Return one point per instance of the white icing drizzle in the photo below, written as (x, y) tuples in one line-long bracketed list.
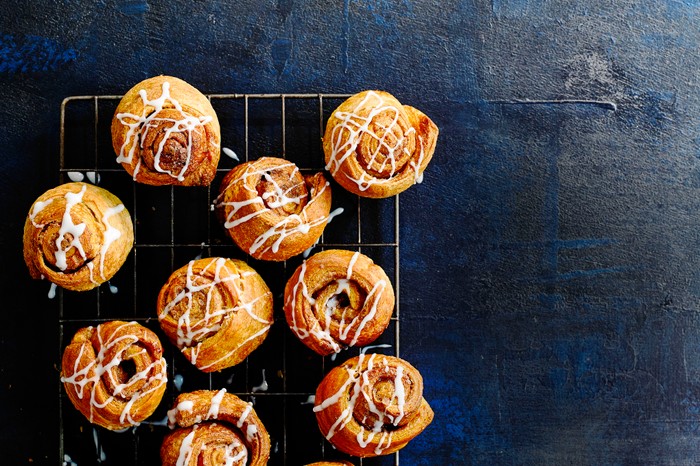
[(418, 174), (310, 400), (356, 385), (111, 234), (250, 428), (263, 385), (38, 207), (75, 176), (94, 177), (113, 289), (229, 456), (352, 126), (230, 153), (186, 332), (101, 457), (52, 291), (67, 226), (143, 122), (79, 379), (230, 460), (177, 381), (367, 348), (244, 415), (186, 448), (216, 404), (68, 461), (322, 331), (185, 405), (291, 224), (250, 432)]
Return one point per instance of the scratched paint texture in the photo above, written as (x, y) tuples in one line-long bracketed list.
[(550, 285)]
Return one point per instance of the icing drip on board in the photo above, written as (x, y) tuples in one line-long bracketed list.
[(139, 125)]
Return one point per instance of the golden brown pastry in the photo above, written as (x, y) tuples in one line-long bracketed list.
[(216, 311), (77, 236), (376, 147), (212, 428), (165, 132), (271, 210), (372, 405), (331, 463), (336, 299), (114, 374)]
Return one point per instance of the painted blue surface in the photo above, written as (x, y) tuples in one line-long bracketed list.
[(550, 285)]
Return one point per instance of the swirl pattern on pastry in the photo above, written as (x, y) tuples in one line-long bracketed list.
[(212, 428), (336, 299), (77, 236), (165, 132), (376, 147), (216, 311), (272, 211), (372, 405), (114, 374)]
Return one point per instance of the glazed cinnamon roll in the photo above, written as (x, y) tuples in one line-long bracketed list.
[(336, 299), (77, 236), (165, 132), (213, 428), (216, 311), (376, 147), (271, 210), (114, 374), (372, 405)]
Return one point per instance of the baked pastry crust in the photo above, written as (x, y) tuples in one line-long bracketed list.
[(376, 147), (216, 311), (336, 299), (214, 428), (271, 210), (372, 405), (165, 132), (330, 463), (77, 236), (114, 374)]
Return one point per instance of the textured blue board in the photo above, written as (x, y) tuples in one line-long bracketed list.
[(550, 286)]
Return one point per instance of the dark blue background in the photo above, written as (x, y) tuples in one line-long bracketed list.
[(550, 287)]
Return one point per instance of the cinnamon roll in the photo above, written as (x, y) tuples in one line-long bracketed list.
[(77, 236), (372, 405), (165, 132), (211, 428), (272, 211), (216, 311), (114, 374), (336, 299), (376, 147)]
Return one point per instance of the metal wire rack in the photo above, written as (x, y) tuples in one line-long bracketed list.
[(173, 225)]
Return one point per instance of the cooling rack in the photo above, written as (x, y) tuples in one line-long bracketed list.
[(173, 225)]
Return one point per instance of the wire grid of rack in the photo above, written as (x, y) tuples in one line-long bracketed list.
[(173, 225)]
